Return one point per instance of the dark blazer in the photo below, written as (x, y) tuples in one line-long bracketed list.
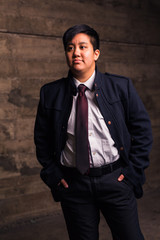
[(124, 115)]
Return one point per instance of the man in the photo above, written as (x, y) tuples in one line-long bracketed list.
[(93, 138)]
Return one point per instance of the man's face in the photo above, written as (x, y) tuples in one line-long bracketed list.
[(80, 55)]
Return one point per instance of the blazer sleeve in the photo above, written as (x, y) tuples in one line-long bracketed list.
[(139, 127), (51, 173)]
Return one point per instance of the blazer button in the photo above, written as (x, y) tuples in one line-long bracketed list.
[(109, 122), (96, 94), (121, 148)]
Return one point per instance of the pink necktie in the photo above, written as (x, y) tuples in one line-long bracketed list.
[(82, 147)]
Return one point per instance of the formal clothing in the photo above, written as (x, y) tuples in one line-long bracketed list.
[(81, 131), (119, 134), (87, 195), (123, 113), (102, 148)]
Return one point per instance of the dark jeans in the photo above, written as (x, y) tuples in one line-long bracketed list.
[(87, 196)]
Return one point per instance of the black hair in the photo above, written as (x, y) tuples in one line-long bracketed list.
[(81, 28)]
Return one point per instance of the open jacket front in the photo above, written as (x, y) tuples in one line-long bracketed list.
[(124, 115)]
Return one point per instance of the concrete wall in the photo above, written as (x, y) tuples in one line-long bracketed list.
[(31, 54)]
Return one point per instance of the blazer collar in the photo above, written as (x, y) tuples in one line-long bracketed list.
[(97, 81), (72, 84)]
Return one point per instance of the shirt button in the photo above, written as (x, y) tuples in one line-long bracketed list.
[(109, 122), (94, 153)]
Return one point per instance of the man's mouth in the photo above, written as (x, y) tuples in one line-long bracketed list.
[(76, 61)]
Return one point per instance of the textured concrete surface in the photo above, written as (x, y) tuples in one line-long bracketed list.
[(31, 54), (52, 226)]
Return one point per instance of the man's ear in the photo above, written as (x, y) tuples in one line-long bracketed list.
[(96, 54)]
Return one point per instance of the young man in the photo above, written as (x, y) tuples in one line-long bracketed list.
[(93, 138)]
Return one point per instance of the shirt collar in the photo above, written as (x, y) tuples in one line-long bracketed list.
[(89, 83)]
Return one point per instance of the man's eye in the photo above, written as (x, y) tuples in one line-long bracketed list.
[(82, 47), (70, 48)]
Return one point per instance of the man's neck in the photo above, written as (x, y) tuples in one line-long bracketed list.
[(83, 77), (89, 83)]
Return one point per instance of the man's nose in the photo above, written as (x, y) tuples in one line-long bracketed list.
[(76, 51)]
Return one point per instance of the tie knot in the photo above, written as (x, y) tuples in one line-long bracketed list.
[(82, 88)]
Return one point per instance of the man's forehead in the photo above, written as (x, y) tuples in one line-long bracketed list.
[(81, 42), (80, 37)]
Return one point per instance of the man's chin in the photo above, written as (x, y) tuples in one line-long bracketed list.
[(77, 70)]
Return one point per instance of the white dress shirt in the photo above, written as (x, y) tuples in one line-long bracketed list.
[(102, 149)]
